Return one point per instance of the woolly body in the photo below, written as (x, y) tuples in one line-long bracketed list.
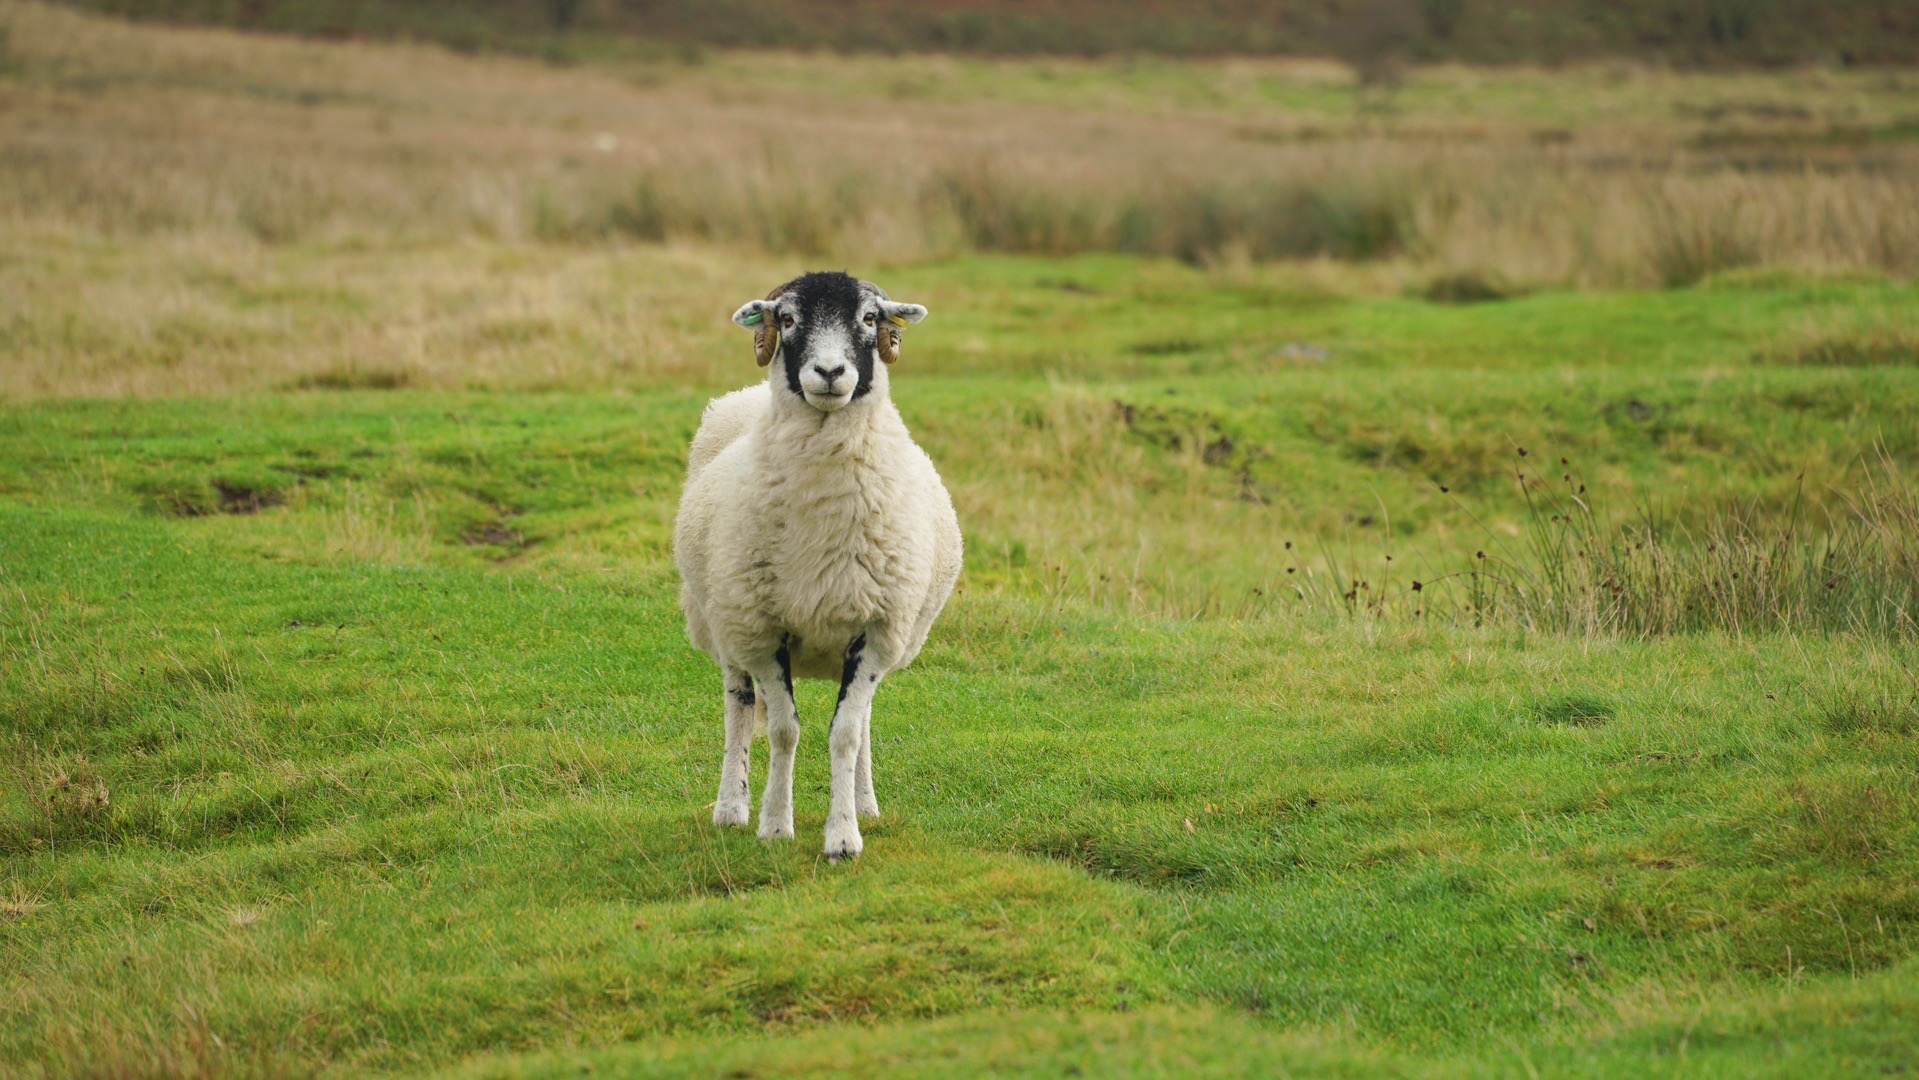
[(810, 529)]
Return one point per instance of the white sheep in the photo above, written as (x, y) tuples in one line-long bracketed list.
[(814, 541)]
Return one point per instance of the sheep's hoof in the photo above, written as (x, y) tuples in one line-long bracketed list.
[(730, 816), (869, 808), (843, 846), (769, 831)]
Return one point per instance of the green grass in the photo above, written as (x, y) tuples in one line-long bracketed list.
[(1061, 396), (385, 818), (356, 730)]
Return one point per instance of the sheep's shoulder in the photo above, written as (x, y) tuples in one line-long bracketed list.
[(725, 420)]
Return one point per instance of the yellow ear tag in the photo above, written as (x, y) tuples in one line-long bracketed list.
[(896, 320)]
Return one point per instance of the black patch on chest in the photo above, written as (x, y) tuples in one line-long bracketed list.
[(827, 298)]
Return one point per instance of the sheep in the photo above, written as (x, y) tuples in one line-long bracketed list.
[(814, 540)]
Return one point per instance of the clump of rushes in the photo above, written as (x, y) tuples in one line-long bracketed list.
[(1741, 571), (1849, 341), (72, 791)]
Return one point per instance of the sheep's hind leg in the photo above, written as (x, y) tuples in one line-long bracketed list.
[(775, 678), (859, 680), (735, 804)]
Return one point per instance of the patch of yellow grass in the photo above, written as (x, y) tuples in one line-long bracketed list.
[(203, 312), (17, 903), (369, 529)]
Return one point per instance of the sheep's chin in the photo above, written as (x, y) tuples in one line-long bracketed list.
[(829, 402)]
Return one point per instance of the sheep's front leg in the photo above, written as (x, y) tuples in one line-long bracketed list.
[(735, 803), (783, 736), (859, 680), (863, 798)]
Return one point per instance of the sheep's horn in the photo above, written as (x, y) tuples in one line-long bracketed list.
[(766, 336), (889, 338)]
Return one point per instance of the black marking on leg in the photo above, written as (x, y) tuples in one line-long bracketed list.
[(785, 659), (744, 695), (852, 667), (872, 678)]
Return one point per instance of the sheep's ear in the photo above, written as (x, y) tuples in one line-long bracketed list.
[(901, 314), (754, 313), (895, 317), (761, 317)]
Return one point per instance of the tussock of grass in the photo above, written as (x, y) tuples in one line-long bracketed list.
[(1855, 345), (1573, 710), (69, 792), (1738, 571), (1865, 716), (352, 378), (1468, 287)]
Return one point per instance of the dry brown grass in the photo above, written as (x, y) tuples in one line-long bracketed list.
[(205, 312), (1600, 176)]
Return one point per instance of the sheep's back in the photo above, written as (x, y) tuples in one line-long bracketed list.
[(725, 420)]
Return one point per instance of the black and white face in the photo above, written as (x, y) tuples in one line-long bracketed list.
[(829, 351)]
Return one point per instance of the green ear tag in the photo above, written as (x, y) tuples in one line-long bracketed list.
[(754, 318)]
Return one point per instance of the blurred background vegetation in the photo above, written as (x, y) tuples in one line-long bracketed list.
[(1601, 173), (1693, 32)]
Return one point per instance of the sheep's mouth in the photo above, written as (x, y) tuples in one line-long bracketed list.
[(828, 402)]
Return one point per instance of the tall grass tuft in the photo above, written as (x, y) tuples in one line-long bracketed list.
[(1849, 568), (1691, 239), (1847, 341), (1197, 220)]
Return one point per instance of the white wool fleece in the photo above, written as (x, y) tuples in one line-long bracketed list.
[(813, 526)]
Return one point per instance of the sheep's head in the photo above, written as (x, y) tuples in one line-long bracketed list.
[(826, 329)]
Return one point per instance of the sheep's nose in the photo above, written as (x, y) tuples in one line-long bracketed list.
[(830, 374)]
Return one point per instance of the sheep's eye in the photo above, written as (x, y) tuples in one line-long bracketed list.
[(868, 320), (786, 322)]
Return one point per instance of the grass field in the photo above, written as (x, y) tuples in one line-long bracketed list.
[(1419, 661)]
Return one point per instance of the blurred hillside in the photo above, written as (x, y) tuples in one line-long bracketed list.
[(1711, 33)]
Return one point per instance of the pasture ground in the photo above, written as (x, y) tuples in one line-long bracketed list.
[(347, 722)]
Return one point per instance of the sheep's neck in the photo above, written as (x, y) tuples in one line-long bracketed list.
[(803, 439), (827, 481)]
